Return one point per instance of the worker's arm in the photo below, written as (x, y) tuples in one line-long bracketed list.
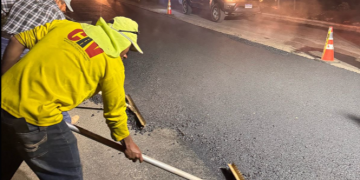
[(12, 54), (113, 93)]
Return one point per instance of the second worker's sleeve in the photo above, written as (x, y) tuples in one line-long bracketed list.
[(30, 37)]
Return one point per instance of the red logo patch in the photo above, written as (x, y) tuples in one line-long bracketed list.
[(82, 40)]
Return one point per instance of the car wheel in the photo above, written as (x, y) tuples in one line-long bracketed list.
[(217, 15), (186, 7)]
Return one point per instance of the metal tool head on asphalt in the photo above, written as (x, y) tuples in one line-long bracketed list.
[(131, 105), (235, 171)]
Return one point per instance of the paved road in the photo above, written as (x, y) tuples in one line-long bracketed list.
[(274, 114), (277, 116)]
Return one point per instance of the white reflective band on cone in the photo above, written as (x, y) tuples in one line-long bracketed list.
[(330, 46)]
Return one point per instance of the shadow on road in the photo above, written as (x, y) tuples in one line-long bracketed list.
[(356, 119), (227, 174), (89, 108), (239, 17), (202, 13)]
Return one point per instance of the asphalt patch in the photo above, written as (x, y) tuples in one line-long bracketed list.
[(97, 99)]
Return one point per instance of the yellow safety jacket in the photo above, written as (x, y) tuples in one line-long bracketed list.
[(63, 68)]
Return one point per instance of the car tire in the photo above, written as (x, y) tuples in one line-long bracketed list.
[(186, 7), (217, 15)]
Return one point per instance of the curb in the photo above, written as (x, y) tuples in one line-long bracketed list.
[(313, 22)]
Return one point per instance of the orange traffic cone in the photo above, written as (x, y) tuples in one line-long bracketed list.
[(169, 7), (328, 53)]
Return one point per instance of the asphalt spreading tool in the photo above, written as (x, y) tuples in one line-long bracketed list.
[(131, 105), (120, 147), (235, 171)]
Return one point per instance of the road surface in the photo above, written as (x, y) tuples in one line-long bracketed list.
[(211, 99)]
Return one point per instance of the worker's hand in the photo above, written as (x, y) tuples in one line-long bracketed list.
[(132, 151)]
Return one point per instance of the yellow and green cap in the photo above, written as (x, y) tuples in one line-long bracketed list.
[(127, 28), (114, 37)]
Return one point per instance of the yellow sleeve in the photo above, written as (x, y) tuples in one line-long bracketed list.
[(30, 37), (113, 94)]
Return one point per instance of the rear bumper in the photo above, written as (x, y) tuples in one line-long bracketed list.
[(239, 9)]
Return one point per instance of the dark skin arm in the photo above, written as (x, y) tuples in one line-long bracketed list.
[(132, 151), (11, 55)]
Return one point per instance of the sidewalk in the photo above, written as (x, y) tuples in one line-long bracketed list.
[(306, 41)]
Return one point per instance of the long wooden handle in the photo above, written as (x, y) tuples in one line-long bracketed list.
[(119, 147), (96, 137)]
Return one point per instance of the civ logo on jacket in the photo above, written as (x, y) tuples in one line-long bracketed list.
[(79, 36)]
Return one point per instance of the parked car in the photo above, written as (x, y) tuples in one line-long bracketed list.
[(220, 8)]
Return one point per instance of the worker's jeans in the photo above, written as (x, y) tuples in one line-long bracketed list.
[(51, 152)]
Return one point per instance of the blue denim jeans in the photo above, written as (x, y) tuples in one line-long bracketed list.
[(51, 152), (66, 117), (4, 43)]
